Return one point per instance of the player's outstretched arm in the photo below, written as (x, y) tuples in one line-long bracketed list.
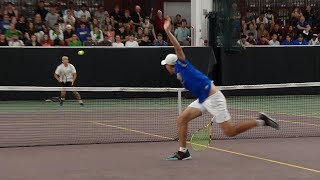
[(174, 40)]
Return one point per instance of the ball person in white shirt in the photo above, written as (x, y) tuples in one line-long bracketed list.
[(66, 75)]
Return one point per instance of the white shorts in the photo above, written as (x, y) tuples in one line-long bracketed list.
[(216, 105)]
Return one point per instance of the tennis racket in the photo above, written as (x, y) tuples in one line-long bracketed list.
[(200, 140)]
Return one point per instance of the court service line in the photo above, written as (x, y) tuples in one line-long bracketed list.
[(213, 148)]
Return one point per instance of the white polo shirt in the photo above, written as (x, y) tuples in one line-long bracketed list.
[(65, 73)]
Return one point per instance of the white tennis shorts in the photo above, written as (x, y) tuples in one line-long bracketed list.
[(216, 105)]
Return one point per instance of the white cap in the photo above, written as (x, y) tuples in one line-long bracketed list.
[(171, 59), (68, 26)]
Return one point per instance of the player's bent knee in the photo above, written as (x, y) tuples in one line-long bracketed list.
[(228, 129)]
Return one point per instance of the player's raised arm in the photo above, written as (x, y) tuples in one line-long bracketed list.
[(174, 41)]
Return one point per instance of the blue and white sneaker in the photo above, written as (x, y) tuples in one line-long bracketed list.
[(179, 156)]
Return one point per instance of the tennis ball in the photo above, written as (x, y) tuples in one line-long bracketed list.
[(80, 53)]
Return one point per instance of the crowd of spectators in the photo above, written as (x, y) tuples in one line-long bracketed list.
[(303, 28), (79, 27)]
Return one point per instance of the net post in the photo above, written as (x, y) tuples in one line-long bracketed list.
[(179, 101)]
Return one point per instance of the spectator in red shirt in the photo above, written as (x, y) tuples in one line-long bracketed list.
[(158, 24), (46, 41), (263, 41)]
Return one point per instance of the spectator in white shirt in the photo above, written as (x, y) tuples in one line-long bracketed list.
[(132, 42), (314, 40), (56, 35), (262, 20), (118, 42), (83, 12), (68, 18), (15, 41), (274, 41), (97, 35), (243, 41)]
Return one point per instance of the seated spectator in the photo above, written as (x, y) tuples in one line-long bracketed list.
[(46, 41), (252, 30), (97, 35), (10, 10), (246, 20), (251, 40), (318, 43), (12, 31), (67, 34), (159, 41), (33, 41), (263, 32), (105, 42), (269, 15), (15, 41), (276, 30), (101, 15), (288, 40), (118, 42), (21, 24), (274, 40), (300, 40), (62, 25), (243, 41), (71, 9), (5, 24), (116, 14), (303, 26), (137, 15), (122, 33), (262, 20), (40, 28), (126, 19), (183, 34), (151, 30), (295, 16), (314, 40), (109, 33), (132, 42), (75, 41), (52, 17), (82, 32), (263, 41), (69, 18), (146, 41), (3, 40), (139, 35), (56, 35), (292, 33), (41, 10), (89, 41), (95, 23), (84, 12), (82, 20), (30, 31), (178, 21)]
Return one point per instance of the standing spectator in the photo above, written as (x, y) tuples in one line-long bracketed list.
[(116, 14), (12, 31), (122, 33), (15, 41), (262, 20), (252, 30), (109, 33), (269, 15), (67, 34), (263, 32), (97, 35), (288, 40), (146, 41), (105, 42), (71, 9), (40, 28), (52, 17), (251, 40), (314, 40), (83, 32), (75, 41), (292, 32), (158, 23), (132, 42), (276, 30), (178, 21), (56, 35), (46, 41), (303, 26), (274, 40), (118, 42), (247, 20), (84, 12), (101, 14), (183, 34), (159, 41), (30, 31), (69, 18), (139, 35), (151, 30), (300, 40), (5, 24), (10, 11), (243, 41), (3, 40), (263, 41), (295, 16), (21, 24), (41, 10), (309, 15), (89, 41), (236, 17), (137, 16), (33, 41)]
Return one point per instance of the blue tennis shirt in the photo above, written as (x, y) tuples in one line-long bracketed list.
[(193, 80)]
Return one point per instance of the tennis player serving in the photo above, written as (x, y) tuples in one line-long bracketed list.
[(66, 75), (209, 99)]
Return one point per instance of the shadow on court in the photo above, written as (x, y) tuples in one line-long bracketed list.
[(264, 159)]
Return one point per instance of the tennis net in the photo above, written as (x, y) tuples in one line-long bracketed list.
[(32, 116)]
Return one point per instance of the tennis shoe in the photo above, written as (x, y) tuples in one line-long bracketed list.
[(81, 104), (179, 156), (269, 121)]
